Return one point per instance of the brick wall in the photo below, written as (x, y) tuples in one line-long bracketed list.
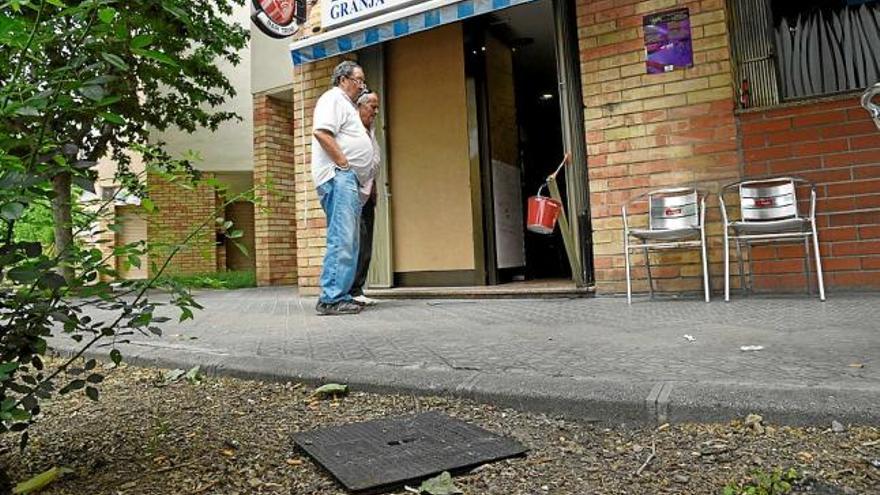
[(836, 146), (180, 211), (651, 131), (274, 216)]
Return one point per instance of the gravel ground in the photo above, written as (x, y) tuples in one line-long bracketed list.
[(229, 436)]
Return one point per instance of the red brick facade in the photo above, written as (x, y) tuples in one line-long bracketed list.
[(837, 147)]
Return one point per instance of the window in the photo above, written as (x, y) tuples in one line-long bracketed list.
[(787, 50)]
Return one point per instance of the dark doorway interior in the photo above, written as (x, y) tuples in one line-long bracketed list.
[(530, 33)]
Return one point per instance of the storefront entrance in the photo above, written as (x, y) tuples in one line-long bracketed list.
[(475, 115)]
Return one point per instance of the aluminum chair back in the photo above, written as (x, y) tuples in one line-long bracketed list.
[(765, 201), (869, 105), (677, 209)]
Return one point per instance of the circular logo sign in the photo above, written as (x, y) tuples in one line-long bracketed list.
[(278, 18)]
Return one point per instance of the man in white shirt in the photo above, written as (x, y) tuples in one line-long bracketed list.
[(368, 108), (342, 159)]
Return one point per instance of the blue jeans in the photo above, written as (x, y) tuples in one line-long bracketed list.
[(342, 205)]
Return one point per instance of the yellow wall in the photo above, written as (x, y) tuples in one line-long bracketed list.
[(432, 225)]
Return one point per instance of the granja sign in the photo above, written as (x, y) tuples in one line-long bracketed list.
[(336, 12)]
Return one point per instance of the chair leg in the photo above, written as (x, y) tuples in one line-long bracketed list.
[(628, 276), (650, 279), (750, 278), (726, 266), (742, 272), (819, 276), (705, 263), (807, 265)]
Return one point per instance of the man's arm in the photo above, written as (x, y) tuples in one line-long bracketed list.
[(328, 143)]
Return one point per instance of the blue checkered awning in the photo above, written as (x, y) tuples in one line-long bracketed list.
[(322, 46)]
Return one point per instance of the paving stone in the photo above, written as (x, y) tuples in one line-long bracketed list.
[(807, 344)]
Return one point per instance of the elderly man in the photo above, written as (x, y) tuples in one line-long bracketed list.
[(342, 159), (368, 108)]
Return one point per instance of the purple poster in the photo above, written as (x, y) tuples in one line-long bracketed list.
[(668, 41)]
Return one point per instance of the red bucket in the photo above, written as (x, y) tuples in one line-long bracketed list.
[(543, 213)]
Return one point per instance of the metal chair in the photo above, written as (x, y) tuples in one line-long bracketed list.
[(676, 219), (869, 105), (768, 210)]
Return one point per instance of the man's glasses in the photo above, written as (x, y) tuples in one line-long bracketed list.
[(360, 81)]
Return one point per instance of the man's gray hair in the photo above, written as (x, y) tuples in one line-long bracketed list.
[(344, 69), (364, 96)]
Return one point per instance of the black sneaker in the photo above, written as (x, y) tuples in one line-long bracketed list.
[(340, 308)]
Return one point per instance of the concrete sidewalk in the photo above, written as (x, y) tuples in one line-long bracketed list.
[(590, 358)]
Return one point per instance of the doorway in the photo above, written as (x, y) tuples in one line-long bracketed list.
[(512, 60), (468, 137)]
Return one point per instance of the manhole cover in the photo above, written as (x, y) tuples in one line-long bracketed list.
[(392, 451)]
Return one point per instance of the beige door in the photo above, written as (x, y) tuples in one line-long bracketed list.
[(133, 228), (431, 209)]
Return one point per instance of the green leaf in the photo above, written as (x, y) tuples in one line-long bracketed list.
[(109, 101), (93, 92), (330, 389), (12, 211), (27, 112), (40, 481), (194, 376), (141, 320), (176, 11), (23, 274), (141, 41), (74, 385), (57, 3), (92, 393), (134, 260), (170, 377), (6, 368), (112, 118), (235, 234), (52, 281), (19, 415), (157, 56), (90, 365), (148, 205), (241, 247), (116, 357), (440, 485), (115, 60), (107, 14), (95, 378), (186, 314)]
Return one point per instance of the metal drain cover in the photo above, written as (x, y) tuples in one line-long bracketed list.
[(388, 452)]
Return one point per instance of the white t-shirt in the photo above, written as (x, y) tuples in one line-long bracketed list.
[(336, 114)]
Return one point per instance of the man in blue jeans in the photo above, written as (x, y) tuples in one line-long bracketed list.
[(342, 156)]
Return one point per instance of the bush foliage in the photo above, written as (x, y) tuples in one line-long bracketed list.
[(81, 80)]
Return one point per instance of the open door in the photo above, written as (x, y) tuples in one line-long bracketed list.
[(381, 274)]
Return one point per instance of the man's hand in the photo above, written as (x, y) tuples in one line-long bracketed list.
[(328, 142)]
